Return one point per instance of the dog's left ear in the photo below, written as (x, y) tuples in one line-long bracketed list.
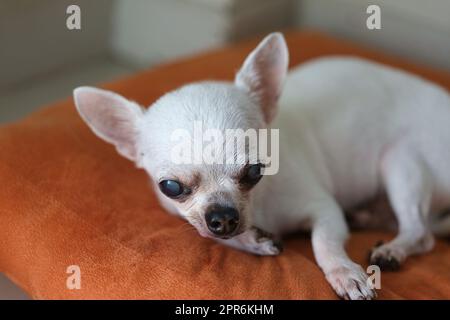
[(263, 73)]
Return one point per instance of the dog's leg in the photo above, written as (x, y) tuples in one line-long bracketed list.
[(329, 233), (255, 241), (409, 187)]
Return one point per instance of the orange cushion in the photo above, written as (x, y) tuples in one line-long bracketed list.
[(67, 198)]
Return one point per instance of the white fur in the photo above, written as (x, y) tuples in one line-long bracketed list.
[(350, 130)]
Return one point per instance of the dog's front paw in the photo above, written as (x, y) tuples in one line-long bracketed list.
[(263, 243), (387, 257), (267, 247), (350, 283)]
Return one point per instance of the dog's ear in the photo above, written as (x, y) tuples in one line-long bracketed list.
[(112, 117), (263, 73)]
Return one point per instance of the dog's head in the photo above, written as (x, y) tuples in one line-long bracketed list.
[(214, 197)]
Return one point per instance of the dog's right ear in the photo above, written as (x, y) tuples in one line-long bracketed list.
[(111, 117)]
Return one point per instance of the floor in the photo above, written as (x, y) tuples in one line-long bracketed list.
[(20, 100)]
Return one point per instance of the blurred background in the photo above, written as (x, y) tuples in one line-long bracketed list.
[(41, 60)]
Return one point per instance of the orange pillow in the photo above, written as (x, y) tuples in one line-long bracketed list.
[(67, 198)]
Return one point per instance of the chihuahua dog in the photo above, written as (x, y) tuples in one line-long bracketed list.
[(350, 130)]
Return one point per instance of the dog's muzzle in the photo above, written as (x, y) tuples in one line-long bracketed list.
[(222, 221)]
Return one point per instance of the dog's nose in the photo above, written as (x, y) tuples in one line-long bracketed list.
[(222, 221)]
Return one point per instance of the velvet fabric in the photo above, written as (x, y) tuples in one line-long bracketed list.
[(67, 198)]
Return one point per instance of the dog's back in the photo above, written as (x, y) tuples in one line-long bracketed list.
[(357, 110)]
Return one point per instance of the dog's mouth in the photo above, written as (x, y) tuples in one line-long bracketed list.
[(226, 237), (206, 233)]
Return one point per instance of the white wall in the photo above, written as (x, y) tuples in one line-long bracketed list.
[(416, 29), (34, 37), (149, 31)]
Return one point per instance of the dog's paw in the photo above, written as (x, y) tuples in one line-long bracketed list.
[(263, 243), (388, 257), (268, 247), (351, 283)]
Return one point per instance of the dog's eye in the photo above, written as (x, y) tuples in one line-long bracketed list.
[(171, 188), (253, 174)]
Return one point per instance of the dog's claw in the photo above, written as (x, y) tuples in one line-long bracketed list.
[(266, 244), (383, 257), (386, 263), (350, 283), (279, 245)]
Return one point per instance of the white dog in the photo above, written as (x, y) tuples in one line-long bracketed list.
[(350, 130)]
